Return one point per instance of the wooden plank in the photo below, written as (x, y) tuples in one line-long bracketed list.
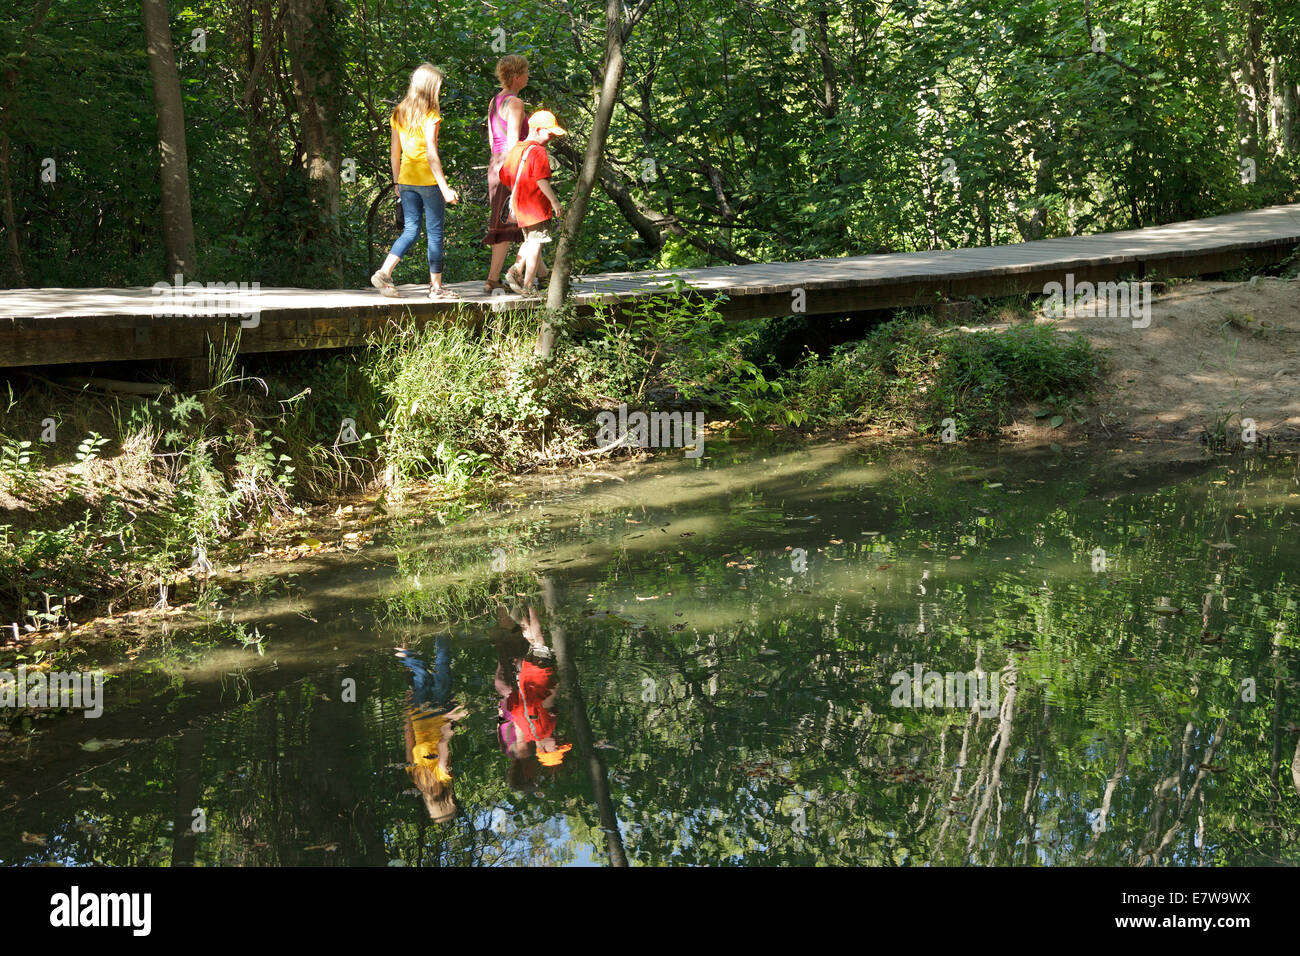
[(52, 326)]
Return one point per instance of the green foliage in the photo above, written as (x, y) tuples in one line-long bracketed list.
[(764, 147), (906, 373)]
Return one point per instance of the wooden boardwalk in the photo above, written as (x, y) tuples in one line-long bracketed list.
[(57, 326)]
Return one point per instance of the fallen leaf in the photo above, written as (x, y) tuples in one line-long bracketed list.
[(94, 745)]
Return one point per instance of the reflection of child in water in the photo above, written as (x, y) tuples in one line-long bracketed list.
[(526, 681), (431, 717)]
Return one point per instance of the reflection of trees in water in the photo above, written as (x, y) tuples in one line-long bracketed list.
[(1126, 740)]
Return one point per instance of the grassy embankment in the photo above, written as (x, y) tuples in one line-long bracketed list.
[(138, 495)]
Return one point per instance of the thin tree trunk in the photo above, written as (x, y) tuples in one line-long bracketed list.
[(189, 793), (1290, 107), (6, 180), (177, 219), (1295, 768), (313, 55), (10, 217), (577, 709), (563, 268)]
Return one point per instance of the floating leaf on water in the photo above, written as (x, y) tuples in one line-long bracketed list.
[(93, 745)]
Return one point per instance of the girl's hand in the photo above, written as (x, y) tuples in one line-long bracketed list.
[(397, 190), (450, 195)]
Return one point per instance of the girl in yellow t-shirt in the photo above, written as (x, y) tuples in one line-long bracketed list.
[(421, 186), (431, 717)]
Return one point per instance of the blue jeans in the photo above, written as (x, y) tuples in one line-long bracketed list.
[(420, 201), (431, 687)]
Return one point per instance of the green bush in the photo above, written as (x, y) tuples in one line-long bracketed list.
[(906, 373)]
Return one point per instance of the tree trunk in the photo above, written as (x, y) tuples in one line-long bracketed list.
[(188, 782), (313, 54), (587, 752), (1295, 768), (563, 268), (1290, 109), (10, 217), (177, 219)]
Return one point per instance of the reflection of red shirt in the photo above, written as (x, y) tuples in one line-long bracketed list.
[(531, 207), (535, 723)]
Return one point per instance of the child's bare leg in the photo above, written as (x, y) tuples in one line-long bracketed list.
[(532, 254)]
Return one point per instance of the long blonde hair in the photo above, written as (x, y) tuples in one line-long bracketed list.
[(421, 97)]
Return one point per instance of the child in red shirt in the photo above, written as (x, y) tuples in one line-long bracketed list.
[(527, 171), (527, 683)]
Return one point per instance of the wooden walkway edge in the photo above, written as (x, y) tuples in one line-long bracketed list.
[(58, 326)]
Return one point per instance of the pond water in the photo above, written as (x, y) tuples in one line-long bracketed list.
[(735, 663)]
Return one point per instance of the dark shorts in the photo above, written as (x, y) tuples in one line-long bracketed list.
[(501, 225)]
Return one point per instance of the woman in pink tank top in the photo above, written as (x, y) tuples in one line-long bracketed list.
[(507, 124)]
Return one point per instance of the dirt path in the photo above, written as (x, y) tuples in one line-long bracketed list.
[(1214, 352)]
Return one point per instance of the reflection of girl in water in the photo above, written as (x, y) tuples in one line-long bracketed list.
[(526, 682), (431, 717)]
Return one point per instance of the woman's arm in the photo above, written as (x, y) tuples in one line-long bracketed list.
[(435, 164), (514, 120), (395, 158)]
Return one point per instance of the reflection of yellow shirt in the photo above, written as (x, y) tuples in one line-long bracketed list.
[(415, 169), (427, 729)]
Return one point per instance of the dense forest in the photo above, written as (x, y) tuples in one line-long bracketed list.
[(248, 139)]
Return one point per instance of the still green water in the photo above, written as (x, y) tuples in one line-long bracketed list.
[(730, 638)]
